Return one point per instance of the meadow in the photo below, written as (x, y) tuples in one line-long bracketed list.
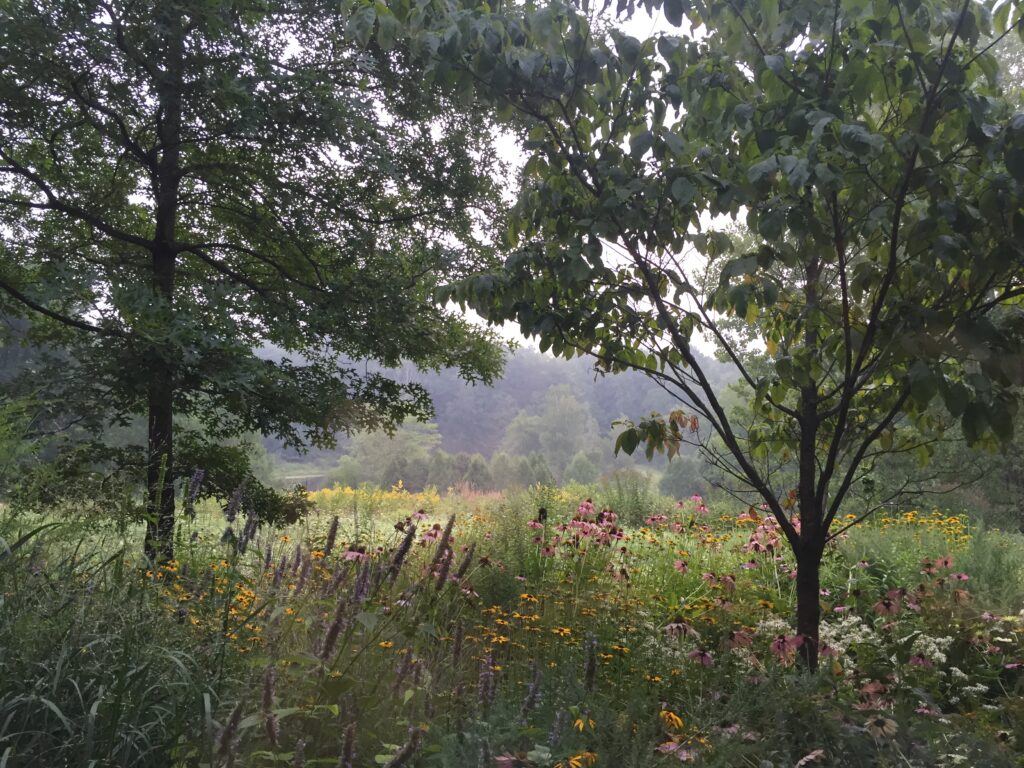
[(556, 628)]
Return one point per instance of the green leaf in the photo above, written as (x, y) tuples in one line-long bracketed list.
[(640, 144), (776, 63), (368, 619), (627, 442), (683, 190), (674, 10)]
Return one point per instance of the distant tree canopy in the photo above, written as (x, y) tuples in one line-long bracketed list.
[(183, 183)]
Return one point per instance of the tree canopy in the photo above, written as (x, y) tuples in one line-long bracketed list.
[(184, 183), (868, 148)]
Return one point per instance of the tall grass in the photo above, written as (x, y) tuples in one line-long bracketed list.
[(94, 669)]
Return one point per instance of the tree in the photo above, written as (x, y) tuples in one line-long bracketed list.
[(685, 476), (183, 184), (873, 156), (478, 476), (581, 470)]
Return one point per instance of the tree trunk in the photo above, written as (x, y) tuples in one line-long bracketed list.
[(808, 604), (159, 544)]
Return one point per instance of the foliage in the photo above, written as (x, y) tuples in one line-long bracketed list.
[(95, 668), (569, 641), (878, 165), (227, 200)]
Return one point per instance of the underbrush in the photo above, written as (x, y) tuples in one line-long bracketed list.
[(484, 632)]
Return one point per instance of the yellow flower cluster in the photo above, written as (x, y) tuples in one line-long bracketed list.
[(953, 528), (341, 498)]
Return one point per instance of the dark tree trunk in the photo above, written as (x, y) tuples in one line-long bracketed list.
[(811, 543), (160, 465), (808, 604), (159, 545)]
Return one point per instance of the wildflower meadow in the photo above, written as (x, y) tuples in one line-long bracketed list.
[(540, 628)]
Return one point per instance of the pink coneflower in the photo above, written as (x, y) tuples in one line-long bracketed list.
[(826, 651), (702, 656), (355, 554), (946, 561), (750, 565), (783, 647), (959, 577), (681, 566), (678, 628), (419, 514), (886, 607), (677, 750), (920, 661), (863, 564), (535, 525), (881, 727), (738, 638)]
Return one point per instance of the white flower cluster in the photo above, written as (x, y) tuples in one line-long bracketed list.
[(846, 631), (958, 674), (932, 648), (773, 625)]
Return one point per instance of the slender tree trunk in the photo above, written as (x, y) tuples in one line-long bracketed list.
[(811, 544), (808, 604), (160, 465), (159, 545)]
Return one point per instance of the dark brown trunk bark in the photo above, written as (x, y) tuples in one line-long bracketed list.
[(159, 544), (160, 465), (808, 552), (808, 605)]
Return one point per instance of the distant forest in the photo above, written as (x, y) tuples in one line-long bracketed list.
[(546, 420)]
